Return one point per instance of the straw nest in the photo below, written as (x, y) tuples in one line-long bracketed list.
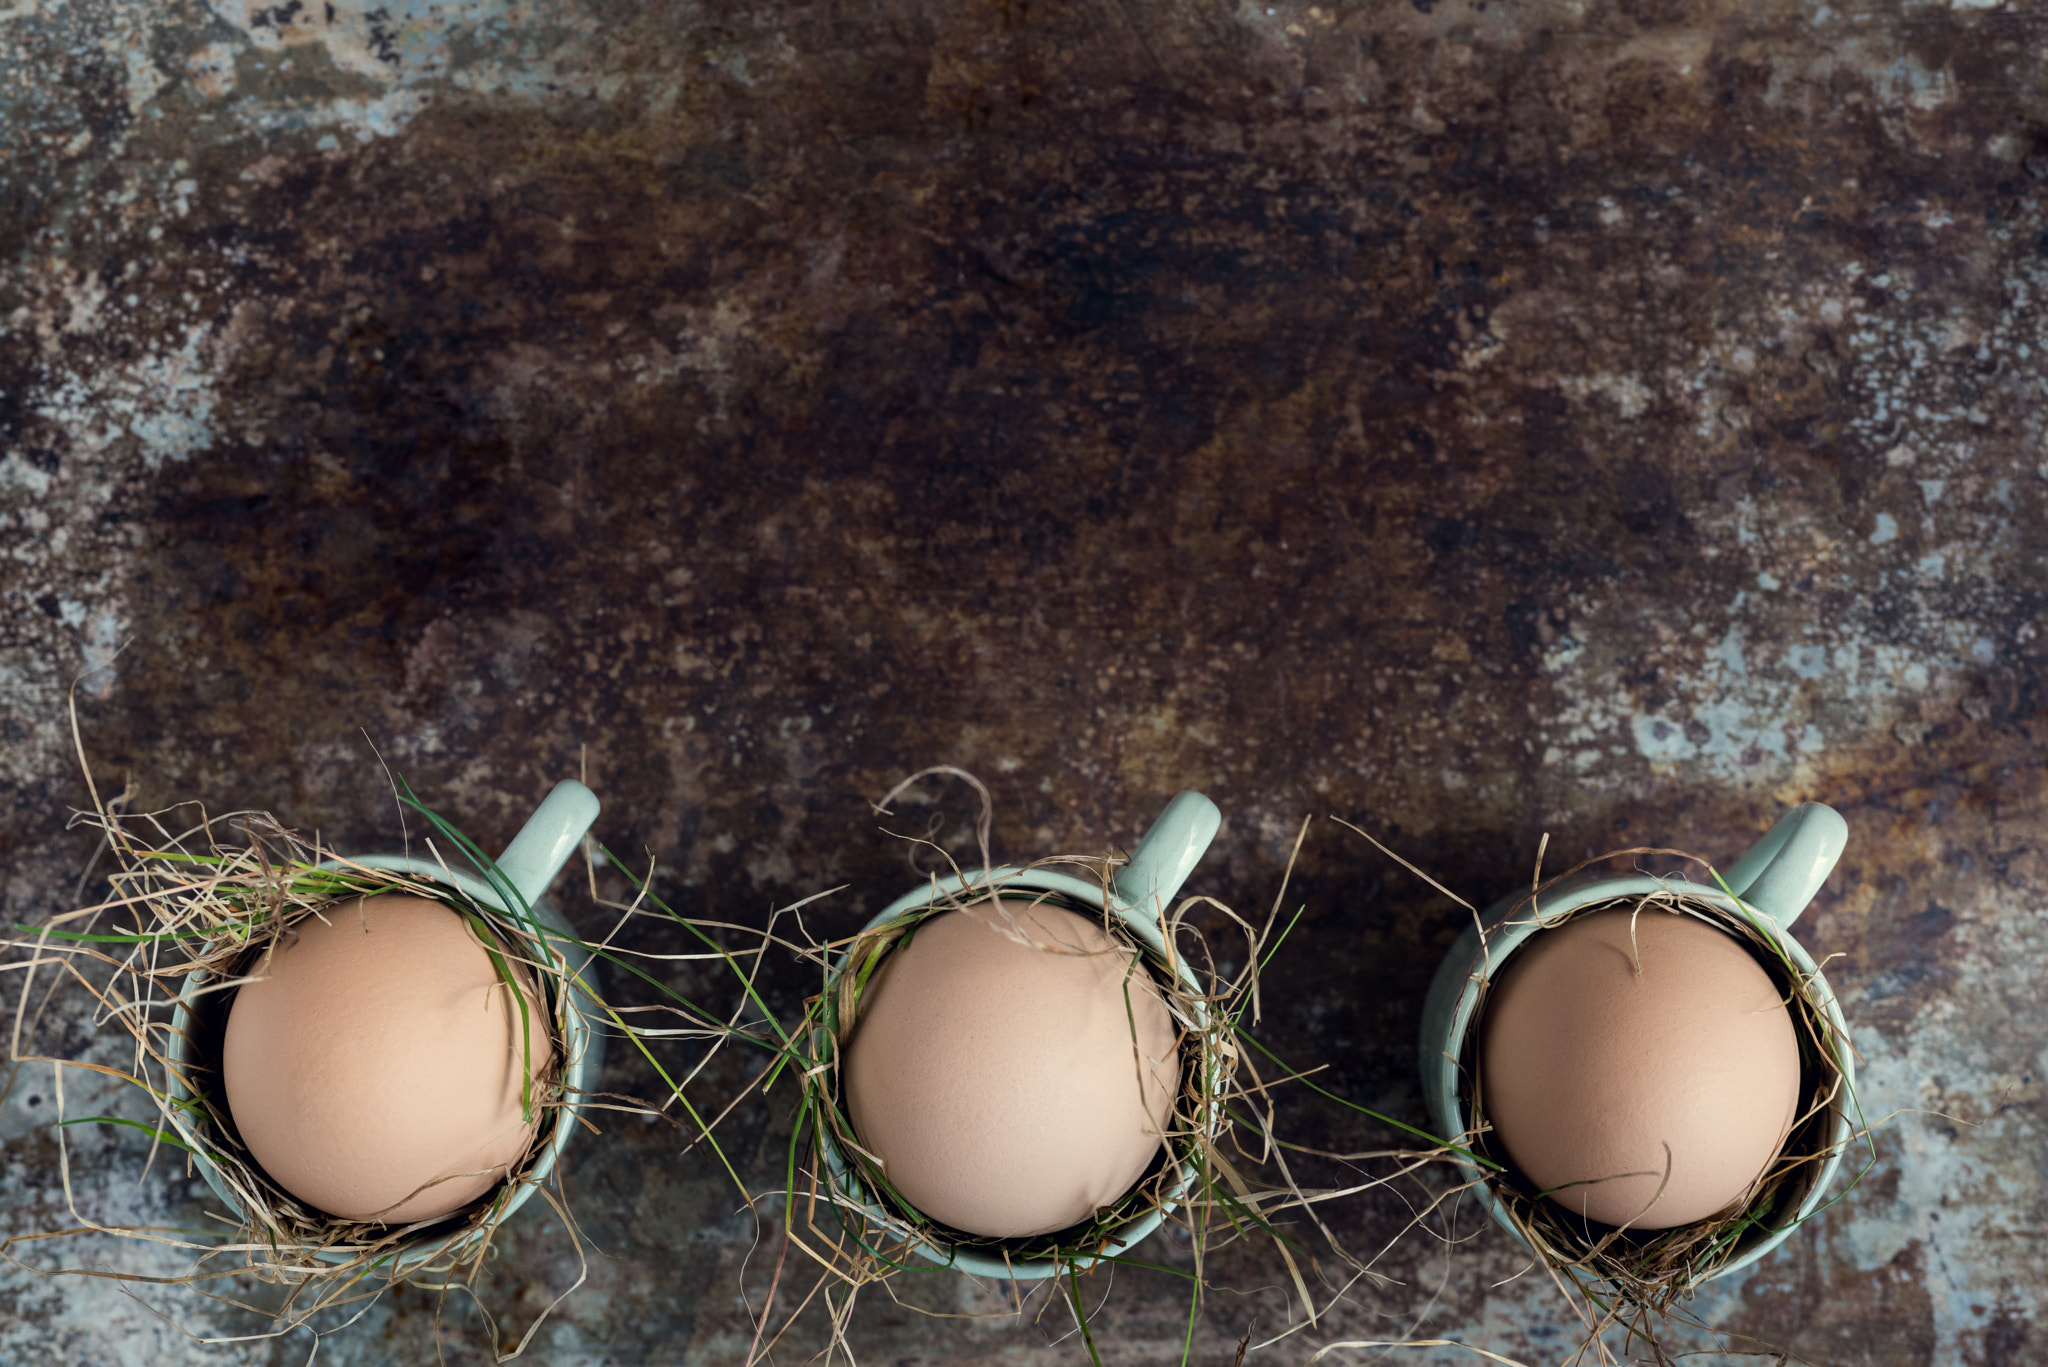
[(193, 900), (1628, 1278), (1209, 1059), (1224, 1172)]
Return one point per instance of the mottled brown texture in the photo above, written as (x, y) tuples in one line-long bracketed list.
[(1615, 420)]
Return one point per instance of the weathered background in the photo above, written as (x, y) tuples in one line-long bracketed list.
[(1616, 419)]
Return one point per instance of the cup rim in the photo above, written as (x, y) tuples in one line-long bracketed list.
[(581, 1045), (1501, 947), (993, 882)]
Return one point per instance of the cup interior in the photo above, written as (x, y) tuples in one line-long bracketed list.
[(200, 1022), (1818, 1137), (986, 1257)]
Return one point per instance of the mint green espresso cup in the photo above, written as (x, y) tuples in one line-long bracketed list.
[(1139, 896), (1777, 877), (529, 864)]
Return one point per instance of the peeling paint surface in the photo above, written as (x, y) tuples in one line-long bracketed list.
[(1615, 419)]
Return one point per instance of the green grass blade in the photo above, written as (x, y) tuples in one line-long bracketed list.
[(1081, 1315), (512, 984), (164, 1136), (694, 929), (1367, 1110)]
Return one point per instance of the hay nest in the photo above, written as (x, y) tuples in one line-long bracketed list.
[(1222, 1175), (1209, 1058), (193, 901), (1630, 1278)]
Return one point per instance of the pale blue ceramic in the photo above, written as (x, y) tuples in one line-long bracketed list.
[(529, 865), (1140, 894), (1777, 877)]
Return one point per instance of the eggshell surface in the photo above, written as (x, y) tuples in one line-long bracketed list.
[(374, 1065), (1000, 1075), (1615, 1034)]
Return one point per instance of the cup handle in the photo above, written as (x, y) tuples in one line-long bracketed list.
[(1781, 872), (547, 839), (1166, 856)]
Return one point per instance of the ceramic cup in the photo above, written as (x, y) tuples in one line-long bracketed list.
[(1777, 877), (1139, 896), (529, 864)]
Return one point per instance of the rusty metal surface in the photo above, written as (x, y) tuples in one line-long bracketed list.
[(1615, 420)]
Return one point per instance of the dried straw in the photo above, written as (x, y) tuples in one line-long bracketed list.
[(1635, 1279), (1224, 1173), (193, 901)]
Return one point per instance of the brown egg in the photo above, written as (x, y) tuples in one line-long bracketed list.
[(374, 1067), (1612, 1036), (1000, 1079)]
